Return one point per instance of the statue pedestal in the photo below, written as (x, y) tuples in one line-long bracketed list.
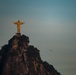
[(18, 34)]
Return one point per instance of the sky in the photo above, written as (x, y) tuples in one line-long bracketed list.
[(50, 26)]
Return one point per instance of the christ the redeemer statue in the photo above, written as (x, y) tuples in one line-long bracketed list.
[(18, 25)]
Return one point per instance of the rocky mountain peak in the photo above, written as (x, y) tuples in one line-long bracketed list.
[(20, 58)]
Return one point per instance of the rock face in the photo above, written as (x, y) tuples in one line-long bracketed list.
[(20, 58)]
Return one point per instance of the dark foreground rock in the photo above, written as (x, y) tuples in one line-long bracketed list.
[(20, 58)]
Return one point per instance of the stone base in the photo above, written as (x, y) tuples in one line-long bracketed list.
[(18, 34)]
